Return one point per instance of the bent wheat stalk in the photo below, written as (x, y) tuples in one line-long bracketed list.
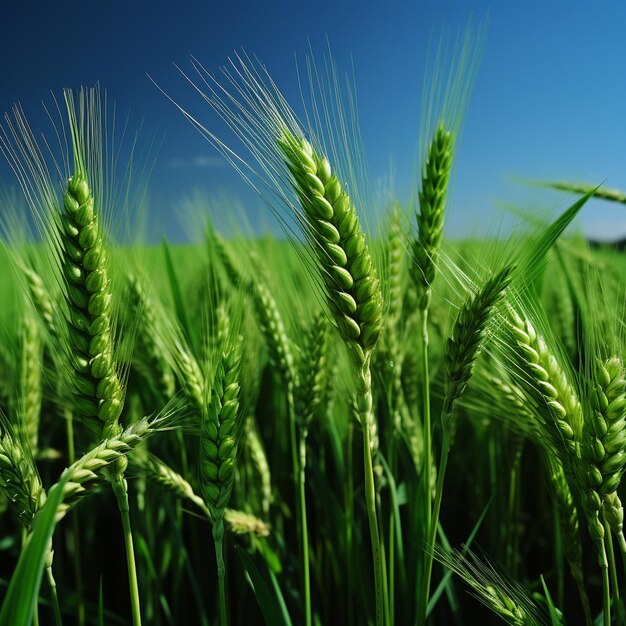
[(352, 291), (463, 347)]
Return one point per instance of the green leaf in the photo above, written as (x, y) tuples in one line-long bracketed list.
[(272, 606), (555, 614), (177, 295), (441, 587), (21, 598), (530, 268), (100, 604)]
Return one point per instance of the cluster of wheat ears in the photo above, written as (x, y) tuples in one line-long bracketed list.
[(303, 401)]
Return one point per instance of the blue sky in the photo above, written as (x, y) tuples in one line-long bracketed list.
[(549, 101)]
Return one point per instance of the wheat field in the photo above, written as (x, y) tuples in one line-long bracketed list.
[(357, 422)]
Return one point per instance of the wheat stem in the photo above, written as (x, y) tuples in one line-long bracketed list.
[(349, 504), (120, 489), (612, 566), (606, 596), (364, 406), (304, 532), (55, 596), (426, 469), (218, 540)]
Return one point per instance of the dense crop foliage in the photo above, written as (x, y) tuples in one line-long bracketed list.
[(319, 430)]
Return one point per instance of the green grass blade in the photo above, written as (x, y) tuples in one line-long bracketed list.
[(556, 618), (21, 598), (530, 269), (393, 493), (441, 587), (604, 193), (177, 294), (274, 611), (100, 604)]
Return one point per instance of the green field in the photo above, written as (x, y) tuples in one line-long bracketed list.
[(343, 426)]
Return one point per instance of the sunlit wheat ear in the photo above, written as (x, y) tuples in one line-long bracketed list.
[(558, 406), (168, 479), (352, 286), (560, 414), (242, 523), (98, 393), (605, 444), (254, 109), (603, 448), (97, 389), (93, 466), (220, 434), (430, 218)]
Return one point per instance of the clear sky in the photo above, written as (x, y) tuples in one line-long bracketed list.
[(549, 100)]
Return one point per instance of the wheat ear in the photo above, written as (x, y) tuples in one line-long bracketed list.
[(561, 420), (311, 373), (614, 515), (21, 484), (239, 522), (259, 459), (41, 299), (220, 438), (149, 337), (603, 448), (92, 467), (31, 375), (352, 286), (430, 218), (467, 338), (19, 478), (97, 389), (491, 588), (567, 514), (606, 445), (558, 407), (274, 333)]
